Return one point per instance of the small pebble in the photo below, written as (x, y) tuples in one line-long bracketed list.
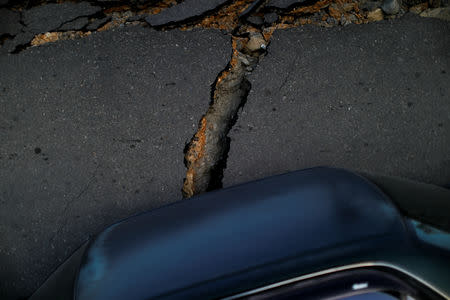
[(376, 15), (332, 21), (353, 18), (391, 7), (417, 9), (344, 21), (256, 42), (255, 20)]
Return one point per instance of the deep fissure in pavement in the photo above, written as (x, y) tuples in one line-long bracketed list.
[(250, 22), (206, 154)]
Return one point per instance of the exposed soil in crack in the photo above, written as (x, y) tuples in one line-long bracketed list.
[(206, 154), (50, 37), (226, 18)]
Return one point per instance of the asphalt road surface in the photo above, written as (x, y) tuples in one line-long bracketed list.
[(372, 98), (93, 129)]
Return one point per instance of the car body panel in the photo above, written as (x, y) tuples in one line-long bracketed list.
[(245, 236)]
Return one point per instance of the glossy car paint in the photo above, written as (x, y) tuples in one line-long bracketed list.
[(255, 236), (251, 235)]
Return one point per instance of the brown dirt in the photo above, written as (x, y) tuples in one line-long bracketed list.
[(49, 37), (325, 8), (208, 146), (227, 18), (193, 155)]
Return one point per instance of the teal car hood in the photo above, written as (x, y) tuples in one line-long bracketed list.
[(239, 238)]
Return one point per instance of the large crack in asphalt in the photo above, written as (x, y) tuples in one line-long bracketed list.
[(205, 157), (250, 24), (206, 154)]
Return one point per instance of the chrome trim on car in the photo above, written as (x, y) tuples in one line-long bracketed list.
[(334, 270)]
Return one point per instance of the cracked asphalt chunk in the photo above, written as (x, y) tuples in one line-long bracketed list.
[(185, 10), (371, 98), (76, 24), (51, 16), (97, 23), (11, 44), (92, 131)]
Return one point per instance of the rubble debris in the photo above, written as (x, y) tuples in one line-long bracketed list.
[(417, 9), (335, 12), (117, 19), (442, 13), (221, 14), (49, 37), (226, 18), (256, 42), (376, 15), (323, 13), (391, 7)]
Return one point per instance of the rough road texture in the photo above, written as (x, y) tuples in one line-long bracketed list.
[(92, 131), (372, 98), (9, 22)]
